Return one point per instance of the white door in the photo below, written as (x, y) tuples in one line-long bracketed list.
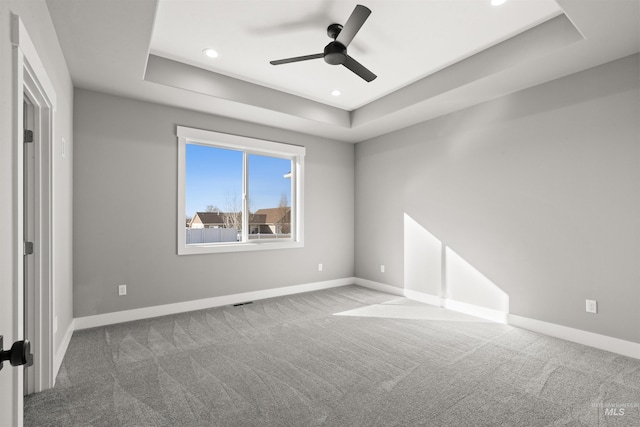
[(12, 276), (11, 283), (10, 377)]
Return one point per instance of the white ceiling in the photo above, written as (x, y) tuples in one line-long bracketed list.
[(401, 41), (432, 57)]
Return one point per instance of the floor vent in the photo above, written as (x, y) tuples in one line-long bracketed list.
[(242, 303)]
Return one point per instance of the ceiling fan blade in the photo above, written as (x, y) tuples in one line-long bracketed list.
[(359, 69), (355, 21), (297, 59)]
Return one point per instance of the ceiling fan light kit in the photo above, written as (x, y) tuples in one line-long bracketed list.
[(335, 53)]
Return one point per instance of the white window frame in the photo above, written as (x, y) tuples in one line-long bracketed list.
[(247, 145)]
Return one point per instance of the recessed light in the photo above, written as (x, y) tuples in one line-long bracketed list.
[(211, 53), (336, 93), (497, 2)]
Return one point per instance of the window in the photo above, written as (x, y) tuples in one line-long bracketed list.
[(237, 193)]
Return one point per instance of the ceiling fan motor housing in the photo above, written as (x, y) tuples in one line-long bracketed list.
[(335, 53), (333, 30)]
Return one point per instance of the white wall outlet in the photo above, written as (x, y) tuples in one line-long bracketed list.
[(122, 290), (592, 306), (382, 268), (319, 267)]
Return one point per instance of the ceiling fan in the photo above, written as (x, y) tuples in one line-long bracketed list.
[(335, 53)]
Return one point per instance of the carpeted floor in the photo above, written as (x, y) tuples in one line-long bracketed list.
[(341, 357)]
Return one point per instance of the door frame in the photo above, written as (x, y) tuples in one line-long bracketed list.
[(40, 310), (28, 196), (30, 76)]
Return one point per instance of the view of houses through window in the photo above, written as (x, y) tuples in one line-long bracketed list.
[(215, 181)]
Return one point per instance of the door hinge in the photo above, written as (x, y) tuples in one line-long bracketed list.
[(28, 248), (28, 135)]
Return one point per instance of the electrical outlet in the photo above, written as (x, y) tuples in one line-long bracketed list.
[(382, 268), (122, 290), (592, 306), (319, 267)]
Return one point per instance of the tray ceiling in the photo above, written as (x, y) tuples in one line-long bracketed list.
[(432, 57), (401, 41)]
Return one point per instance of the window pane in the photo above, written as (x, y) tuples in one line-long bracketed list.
[(213, 194), (269, 197)]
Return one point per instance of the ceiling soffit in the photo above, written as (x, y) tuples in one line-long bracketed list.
[(526, 47)]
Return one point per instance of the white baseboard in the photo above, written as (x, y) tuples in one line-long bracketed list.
[(182, 307), (423, 297), (591, 339), (462, 307), (377, 286), (476, 310), (60, 352), (615, 345), (603, 342)]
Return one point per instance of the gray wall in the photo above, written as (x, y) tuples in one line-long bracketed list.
[(125, 201), (539, 191)]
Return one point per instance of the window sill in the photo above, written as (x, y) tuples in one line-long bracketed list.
[(215, 248)]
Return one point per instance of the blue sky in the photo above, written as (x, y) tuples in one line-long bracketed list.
[(214, 177)]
